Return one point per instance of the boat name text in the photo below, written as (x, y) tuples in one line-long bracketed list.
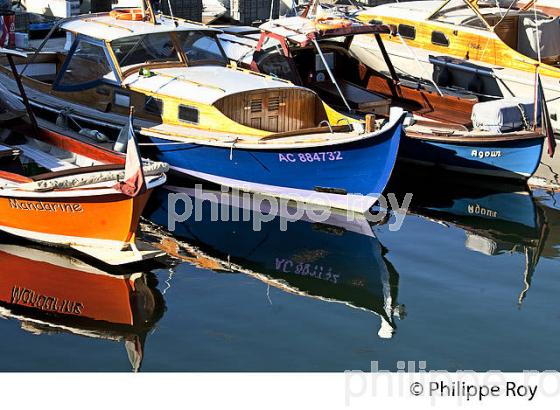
[(306, 269), (485, 154), (45, 206), (478, 210)]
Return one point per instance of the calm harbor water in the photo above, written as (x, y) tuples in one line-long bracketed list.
[(470, 281)]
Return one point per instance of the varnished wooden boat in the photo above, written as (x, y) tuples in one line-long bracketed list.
[(208, 119), (60, 190), (49, 292), (442, 132), (489, 50)]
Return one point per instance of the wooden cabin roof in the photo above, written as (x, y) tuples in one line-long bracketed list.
[(104, 27)]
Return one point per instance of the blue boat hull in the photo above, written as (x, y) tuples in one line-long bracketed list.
[(348, 175), (514, 159)]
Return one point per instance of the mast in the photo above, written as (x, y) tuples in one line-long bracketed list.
[(333, 79), (22, 92)]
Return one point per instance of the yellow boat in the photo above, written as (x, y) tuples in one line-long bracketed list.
[(211, 120), (489, 50)]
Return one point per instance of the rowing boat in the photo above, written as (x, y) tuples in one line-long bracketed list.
[(63, 191)]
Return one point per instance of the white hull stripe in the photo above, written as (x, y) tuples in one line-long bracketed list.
[(351, 202), (64, 239)]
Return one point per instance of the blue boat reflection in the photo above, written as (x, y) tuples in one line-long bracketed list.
[(335, 260), (496, 218)]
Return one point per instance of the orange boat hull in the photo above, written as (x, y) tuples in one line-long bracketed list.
[(103, 221)]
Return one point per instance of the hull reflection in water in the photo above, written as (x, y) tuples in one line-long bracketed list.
[(496, 218), (336, 260), (50, 293)]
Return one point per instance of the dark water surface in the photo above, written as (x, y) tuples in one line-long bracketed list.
[(470, 281)]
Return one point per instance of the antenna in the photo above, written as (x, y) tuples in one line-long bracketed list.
[(537, 38), (271, 8), (171, 13), (23, 94)]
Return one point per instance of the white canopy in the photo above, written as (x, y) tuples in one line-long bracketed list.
[(107, 28)]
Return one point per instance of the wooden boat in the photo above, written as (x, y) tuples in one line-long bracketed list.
[(207, 119), (63, 191), (308, 259), (442, 132), (489, 50), (52, 292)]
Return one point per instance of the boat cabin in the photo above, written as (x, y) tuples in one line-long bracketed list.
[(516, 28), (285, 48), (105, 51), (174, 73), (289, 49)]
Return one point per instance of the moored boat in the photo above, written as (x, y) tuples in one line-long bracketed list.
[(493, 51), (208, 119), (447, 130), (60, 190)]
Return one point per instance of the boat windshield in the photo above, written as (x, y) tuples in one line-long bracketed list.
[(199, 48), (143, 49), (457, 12)]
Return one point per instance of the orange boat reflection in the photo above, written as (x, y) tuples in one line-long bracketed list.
[(51, 292)]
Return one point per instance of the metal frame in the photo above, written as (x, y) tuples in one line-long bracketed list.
[(91, 84)]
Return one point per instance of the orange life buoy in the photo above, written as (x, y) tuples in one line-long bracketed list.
[(128, 14), (330, 23)]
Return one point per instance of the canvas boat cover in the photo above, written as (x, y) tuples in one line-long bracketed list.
[(506, 115)]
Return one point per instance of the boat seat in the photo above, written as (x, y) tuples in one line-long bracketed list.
[(44, 159), (358, 97)]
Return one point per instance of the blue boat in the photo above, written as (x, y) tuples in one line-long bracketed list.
[(512, 158), (497, 217), (347, 173), (308, 259)]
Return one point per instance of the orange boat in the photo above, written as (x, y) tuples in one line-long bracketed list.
[(65, 191), (51, 292)]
